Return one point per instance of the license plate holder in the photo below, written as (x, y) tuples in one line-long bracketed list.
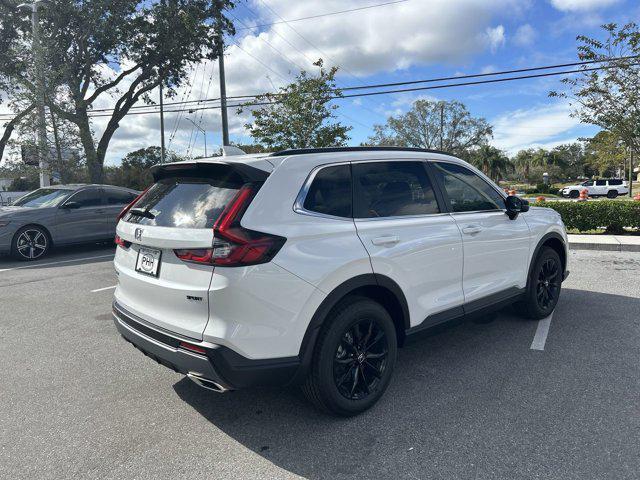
[(148, 261)]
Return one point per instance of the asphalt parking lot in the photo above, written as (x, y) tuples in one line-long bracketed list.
[(474, 401)]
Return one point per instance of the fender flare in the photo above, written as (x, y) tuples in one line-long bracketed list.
[(536, 251), (332, 299)]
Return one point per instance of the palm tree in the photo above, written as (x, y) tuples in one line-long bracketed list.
[(492, 161)]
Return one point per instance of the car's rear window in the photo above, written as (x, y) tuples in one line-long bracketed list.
[(183, 202)]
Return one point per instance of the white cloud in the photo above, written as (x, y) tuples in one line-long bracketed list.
[(495, 37), (525, 35), (582, 5), (538, 126)]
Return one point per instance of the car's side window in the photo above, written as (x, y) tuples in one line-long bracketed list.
[(118, 197), (392, 189), (330, 192), (87, 198), (601, 183), (467, 191), (615, 182)]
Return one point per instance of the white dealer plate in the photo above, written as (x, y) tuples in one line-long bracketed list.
[(148, 261)]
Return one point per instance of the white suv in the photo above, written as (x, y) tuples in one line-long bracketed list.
[(610, 188), (313, 266)]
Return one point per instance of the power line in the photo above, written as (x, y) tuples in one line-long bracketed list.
[(381, 85), (324, 14), (385, 92), (366, 94)]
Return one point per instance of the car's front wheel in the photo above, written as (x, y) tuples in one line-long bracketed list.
[(354, 358), (544, 285), (574, 194), (30, 243)]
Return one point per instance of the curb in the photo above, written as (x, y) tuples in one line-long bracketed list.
[(604, 247)]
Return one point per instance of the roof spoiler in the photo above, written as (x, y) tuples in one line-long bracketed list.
[(211, 168)]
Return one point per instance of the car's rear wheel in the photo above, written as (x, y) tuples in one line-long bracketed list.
[(544, 286), (354, 358), (574, 194), (30, 243), (612, 194)]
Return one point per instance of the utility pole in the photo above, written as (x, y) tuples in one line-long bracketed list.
[(223, 94), (162, 147), (41, 124), (631, 172), (441, 123), (223, 85)]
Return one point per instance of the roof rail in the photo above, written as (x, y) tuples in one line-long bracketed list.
[(304, 151)]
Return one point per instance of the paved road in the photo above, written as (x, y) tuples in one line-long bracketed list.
[(472, 402)]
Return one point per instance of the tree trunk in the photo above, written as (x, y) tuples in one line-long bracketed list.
[(94, 165)]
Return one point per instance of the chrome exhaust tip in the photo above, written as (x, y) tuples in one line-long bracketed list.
[(206, 383)]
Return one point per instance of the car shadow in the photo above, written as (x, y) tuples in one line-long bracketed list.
[(68, 255), (470, 401)]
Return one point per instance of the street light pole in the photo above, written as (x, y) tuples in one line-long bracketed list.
[(204, 134), (41, 124)]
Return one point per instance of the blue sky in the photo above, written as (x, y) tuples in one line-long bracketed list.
[(411, 40)]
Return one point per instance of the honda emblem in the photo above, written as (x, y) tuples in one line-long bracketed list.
[(138, 234)]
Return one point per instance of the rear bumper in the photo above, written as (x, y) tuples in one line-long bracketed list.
[(221, 369)]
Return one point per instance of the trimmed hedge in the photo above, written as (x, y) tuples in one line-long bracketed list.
[(613, 215)]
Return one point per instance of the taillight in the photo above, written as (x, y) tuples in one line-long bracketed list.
[(121, 242), (233, 245), (128, 207)]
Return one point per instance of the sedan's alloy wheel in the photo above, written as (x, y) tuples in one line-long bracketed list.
[(31, 244)]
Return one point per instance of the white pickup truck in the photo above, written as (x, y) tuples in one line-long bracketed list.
[(607, 187)]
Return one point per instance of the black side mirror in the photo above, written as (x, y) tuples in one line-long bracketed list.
[(515, 205), (70, 206)]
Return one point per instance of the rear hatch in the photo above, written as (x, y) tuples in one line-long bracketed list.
[(165, 241)]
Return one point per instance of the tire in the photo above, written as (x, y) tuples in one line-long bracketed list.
[(574, 194), (346, 379), (30, 243), (543, 287), (612, 194)]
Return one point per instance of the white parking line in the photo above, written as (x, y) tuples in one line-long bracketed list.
[(103, 289), (56, 263), (540, 338)]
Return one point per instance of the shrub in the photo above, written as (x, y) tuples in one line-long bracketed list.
[(613, 215)]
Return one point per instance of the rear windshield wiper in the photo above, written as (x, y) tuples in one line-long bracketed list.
[(142, 212)]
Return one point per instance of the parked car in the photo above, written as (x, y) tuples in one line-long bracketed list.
[(61, 215), (312, 267), (7, 198), (606, 187)]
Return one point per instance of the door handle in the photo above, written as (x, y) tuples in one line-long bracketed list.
[(471, 229), (387, 240)]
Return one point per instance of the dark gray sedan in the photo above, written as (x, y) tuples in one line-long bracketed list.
[(61, 215)]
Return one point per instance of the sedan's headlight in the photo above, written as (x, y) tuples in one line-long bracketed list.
[(4, 223)]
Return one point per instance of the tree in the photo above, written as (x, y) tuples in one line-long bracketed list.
[(440, 125), (492, 161), (95, 49), (300, 114), (605, 153), (134, 170), (609, 98), (24, 184)]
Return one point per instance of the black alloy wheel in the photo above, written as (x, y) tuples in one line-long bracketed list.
[(548, 284), (353, 358), (360, 360), (544, 286)]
